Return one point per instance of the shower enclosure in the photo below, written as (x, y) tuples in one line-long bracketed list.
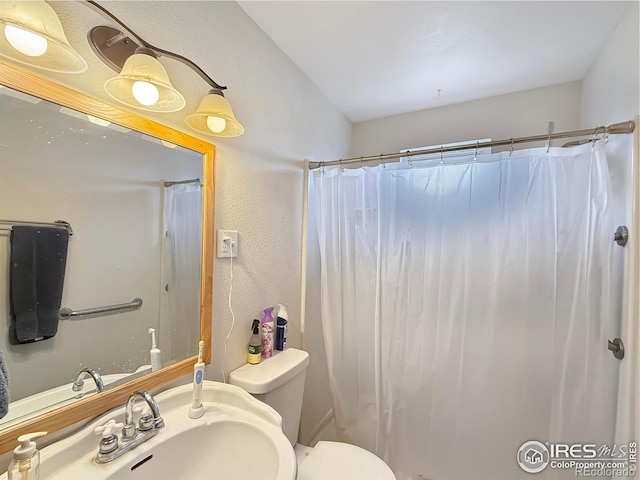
[(467, 303)]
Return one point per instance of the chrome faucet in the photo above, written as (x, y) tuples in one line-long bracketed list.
[(147, 421), (148, 425), (79, 383)]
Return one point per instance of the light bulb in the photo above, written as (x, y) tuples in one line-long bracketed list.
[(98, 121), (216, 124), (25, 42), (145, 93)]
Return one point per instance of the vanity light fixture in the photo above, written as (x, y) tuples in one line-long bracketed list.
[(98, 121), (31, 34), (215, 115), (143, 83)]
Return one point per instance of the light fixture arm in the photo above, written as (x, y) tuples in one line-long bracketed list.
[(157, 50)]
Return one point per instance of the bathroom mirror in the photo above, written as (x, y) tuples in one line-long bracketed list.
[(138, 198)]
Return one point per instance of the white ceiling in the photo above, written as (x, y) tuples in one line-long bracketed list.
[(381, 58)]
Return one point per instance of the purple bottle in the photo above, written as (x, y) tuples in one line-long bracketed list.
[(268, 332)]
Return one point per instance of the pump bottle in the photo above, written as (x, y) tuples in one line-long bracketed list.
[(25, 464), (154, 353)]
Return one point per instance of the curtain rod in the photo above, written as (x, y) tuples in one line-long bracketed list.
[(614, 129)]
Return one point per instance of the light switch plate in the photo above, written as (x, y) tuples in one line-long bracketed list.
[(224, 250)]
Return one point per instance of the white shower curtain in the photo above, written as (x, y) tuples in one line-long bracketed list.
[(466, 308), (180, 317)]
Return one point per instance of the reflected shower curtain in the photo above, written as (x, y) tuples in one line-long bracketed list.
[(181, 269), (466, 308)]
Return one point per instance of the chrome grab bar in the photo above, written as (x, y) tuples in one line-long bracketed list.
[(57, 223), (135, 304)]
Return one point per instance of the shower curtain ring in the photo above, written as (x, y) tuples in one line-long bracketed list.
[(475, 155), (511, 148), (441, 153)]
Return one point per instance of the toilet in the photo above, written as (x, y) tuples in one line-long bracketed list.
[(279, 382)]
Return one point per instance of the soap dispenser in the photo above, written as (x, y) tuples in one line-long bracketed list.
[(25, 464)]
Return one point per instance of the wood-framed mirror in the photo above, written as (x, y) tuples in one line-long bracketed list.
[(154, 136)]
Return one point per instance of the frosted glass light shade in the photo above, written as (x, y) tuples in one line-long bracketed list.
[(36, 31), (214, 105), (141, 67), (98, 121)]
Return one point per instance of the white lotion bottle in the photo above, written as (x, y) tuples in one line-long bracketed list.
[(25, 464), (196, 410), (156, 355)]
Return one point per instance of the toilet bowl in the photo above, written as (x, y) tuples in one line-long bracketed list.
[(279, 382)]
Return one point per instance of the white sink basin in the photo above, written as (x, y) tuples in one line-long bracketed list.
[(55, 398), (238, 437)]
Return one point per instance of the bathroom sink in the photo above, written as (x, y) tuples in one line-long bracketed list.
[(226, 449), (238, 437), (56, 397)]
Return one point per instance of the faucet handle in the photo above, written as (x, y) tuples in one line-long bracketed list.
[(109, 441), (107, 429), (146, 417), (144, 410)]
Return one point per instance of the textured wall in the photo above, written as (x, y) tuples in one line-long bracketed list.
[(259, 175)]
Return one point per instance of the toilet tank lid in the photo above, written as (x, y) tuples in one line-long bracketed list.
[(270, 373)]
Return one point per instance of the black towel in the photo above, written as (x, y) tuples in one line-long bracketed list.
[(4, 387), (38, 261)]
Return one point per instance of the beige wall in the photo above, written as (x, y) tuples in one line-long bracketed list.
[(505, 116), (611, 88)]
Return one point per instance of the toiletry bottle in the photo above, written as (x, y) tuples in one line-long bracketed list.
[(197, 410), (25, 464), (253, 356), (156, 356), (267, 333), (282, 319)]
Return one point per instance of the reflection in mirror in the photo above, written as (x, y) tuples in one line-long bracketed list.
[(134, 204)]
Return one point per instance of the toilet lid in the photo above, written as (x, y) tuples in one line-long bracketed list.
[(342, 461)]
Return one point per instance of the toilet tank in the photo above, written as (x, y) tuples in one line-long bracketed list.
[(279, 382)]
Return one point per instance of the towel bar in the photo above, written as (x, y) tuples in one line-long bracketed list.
[(135, 304), (57, 223)]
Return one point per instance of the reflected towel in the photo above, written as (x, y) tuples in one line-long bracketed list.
[(4, 387), (38, 261)]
